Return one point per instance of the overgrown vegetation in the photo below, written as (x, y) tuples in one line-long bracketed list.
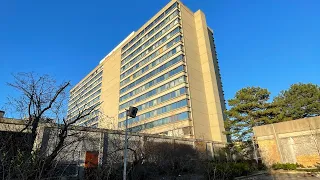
[(41, 100), (162, 160), (285, 166), (230, 170)]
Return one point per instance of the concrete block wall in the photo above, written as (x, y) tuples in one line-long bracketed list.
[(296, 141)]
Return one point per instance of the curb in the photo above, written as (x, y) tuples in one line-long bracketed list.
[(252, 175), (293, 172)]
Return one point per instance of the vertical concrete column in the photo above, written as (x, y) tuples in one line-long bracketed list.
[(275, 135), (173, 143), (143, 141), (210, 78), (211, 150), (197, 94), (105, 143), (292, 151), (207, 150), (44, 140)]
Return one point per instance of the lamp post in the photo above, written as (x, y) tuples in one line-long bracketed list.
[(132, 112)]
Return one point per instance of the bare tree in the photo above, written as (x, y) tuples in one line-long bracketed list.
[(42, 100)]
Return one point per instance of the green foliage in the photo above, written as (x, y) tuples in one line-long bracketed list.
[(300, 165), (249, 108), (286, 166), (299, 101), (230, 170)]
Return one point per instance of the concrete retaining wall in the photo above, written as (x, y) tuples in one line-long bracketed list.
[(295, 141)]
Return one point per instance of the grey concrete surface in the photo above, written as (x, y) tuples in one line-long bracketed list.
[(283, 176)]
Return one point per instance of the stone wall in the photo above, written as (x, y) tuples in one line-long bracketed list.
[(106, 141), (106, 146), (82, 139)]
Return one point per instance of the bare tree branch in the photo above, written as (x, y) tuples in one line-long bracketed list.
[(55, 97)]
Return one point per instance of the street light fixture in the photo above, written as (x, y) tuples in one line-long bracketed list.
[(131, 112)]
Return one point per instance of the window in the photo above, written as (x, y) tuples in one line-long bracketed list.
[(159, 111), (86, 82), (159, 122), (150, 26), (154, 54), (153, 92), (153, 82), (81, 101), (160, 78), (148, 50)]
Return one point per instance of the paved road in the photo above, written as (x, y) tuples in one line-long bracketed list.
[(283, 176)]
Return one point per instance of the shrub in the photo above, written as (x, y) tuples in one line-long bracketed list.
[(300, 165), (276, 166), (285, 166), (229, 170)]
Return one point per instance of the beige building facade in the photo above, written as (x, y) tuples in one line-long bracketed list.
[(169, 70)]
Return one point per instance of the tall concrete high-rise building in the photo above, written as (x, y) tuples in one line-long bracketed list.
[(168, 69)]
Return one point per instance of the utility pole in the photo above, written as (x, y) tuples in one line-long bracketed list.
[(125, 148), (132, 112)]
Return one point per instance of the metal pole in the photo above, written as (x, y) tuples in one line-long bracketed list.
[(125, 149)]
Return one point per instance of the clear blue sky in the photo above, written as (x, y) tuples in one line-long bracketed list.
[(267, 43)]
